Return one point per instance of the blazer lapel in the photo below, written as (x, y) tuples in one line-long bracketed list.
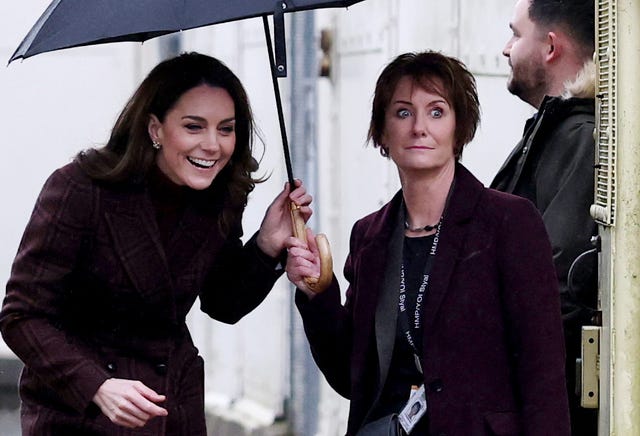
[(466, 194), (382, 255), (386, 316)]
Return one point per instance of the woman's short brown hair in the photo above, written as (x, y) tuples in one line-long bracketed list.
[(435, 72)]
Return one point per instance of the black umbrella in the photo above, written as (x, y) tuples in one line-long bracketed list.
[(75, 23)]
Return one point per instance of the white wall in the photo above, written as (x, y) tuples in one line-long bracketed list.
[(53, 105)]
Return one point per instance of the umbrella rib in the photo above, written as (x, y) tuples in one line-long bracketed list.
[(28, 40)]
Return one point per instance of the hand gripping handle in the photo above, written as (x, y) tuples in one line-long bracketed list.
[(317, 284)]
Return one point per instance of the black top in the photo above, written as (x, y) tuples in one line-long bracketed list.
[(403, 372)]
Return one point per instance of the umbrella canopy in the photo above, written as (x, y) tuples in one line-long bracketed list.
[(75, 23)]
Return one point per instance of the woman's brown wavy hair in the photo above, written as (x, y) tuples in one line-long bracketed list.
[(128, 155)]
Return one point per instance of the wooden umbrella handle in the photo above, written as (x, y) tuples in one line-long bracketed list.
[(317, 284)]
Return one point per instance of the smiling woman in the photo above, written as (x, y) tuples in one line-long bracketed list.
[(197, 136), (119, 246)]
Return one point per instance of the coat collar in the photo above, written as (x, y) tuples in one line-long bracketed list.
[(133, 228), (584, 84), (553, 110)]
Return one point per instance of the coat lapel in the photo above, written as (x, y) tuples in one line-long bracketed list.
[(133, 228), (466, 194), (382, 256), (387, 307), (196, 231), (155, 273), (511, 161), (509, 173)]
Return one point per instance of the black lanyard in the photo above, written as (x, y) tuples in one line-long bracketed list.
[(417, 314)]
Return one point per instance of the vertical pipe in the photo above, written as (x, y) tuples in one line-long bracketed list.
[(305, 376), (625, 244)]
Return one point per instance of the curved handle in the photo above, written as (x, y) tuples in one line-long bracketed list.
[(317, 284)]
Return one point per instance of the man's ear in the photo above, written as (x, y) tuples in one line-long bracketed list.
[(154, 128), (555, 46)]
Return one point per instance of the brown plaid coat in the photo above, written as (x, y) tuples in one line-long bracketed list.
[(93, 294)]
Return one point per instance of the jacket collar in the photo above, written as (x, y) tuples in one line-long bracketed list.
[(584, 84), (553, 111)]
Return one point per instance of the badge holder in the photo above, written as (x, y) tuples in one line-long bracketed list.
[(415, 408)]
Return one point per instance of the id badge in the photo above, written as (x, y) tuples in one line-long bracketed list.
[(415, 408)]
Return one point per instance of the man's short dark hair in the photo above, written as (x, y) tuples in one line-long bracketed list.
[(576, 17)]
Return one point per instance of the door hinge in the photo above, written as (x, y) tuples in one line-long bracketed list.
[(589, 367)]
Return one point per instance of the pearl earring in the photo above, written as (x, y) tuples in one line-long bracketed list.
[(155, 144)]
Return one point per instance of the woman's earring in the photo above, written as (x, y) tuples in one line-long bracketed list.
[(155, 144)]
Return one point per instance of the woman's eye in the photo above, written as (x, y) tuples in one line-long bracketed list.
[(227, 129), (193, 127), (404, 113), (436, 112)]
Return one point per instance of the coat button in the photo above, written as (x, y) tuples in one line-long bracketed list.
[(112, 367), (161, 369), (436, 385)]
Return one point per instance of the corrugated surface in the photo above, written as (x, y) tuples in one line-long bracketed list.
[(605, 195)]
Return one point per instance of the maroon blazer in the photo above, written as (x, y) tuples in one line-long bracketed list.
[(93, 294), (493, 354)]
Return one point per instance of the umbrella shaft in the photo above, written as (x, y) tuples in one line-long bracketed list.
[(276, 90)]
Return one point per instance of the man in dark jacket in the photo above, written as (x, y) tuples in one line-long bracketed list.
[(550, 55)]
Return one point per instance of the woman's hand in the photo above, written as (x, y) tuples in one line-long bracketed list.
[(303, 260), (276, 226), (128, 403)]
